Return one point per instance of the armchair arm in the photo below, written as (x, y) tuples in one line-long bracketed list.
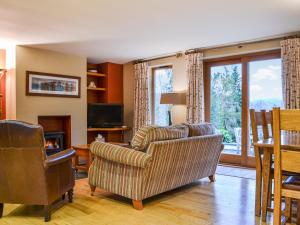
[(59, 157), (120, 154)]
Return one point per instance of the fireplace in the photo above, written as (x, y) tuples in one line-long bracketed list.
[(57, 132), (54, 142)]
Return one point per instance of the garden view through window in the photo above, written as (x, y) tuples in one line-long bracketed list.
[(162, 83), (226, 104)]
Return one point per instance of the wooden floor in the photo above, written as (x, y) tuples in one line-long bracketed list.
[(228, 201), (235, 171)]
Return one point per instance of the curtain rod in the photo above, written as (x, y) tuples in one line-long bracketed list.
[(157, 57), (238, 44)]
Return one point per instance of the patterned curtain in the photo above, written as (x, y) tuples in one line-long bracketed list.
[(290, 55), (141, 96), (195, 92)]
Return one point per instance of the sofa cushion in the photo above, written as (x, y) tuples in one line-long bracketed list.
[(147, 134), (201, 129)]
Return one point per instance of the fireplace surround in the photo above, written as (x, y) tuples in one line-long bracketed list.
[(57, 132)]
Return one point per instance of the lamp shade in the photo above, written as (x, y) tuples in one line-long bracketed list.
[(173, 98)]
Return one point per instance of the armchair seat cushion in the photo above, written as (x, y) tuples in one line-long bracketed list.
[(147, 134)]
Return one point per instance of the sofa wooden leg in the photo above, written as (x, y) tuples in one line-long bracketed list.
[(212, 178), (47, 213), (70, 195), (93, 188), (1, 209), (137, 204)]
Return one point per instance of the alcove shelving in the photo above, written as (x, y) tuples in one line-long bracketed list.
[(109, 89)]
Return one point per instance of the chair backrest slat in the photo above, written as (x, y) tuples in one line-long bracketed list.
[(260, 118), (253, 119), (267, 119), (290, 120), (290, 161)]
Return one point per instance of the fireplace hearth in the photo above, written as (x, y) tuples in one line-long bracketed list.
[(54, 142)]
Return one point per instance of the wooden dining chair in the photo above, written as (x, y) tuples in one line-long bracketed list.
[(285, 160), (264, 119)]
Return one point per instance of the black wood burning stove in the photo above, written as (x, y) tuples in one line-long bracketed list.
[(54, 142)]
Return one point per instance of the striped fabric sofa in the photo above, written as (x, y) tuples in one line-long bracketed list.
[(160, 159)]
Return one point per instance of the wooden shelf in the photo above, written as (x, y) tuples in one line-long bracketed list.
[(108, 78), (96, 89), (96, 74), (108, 129)]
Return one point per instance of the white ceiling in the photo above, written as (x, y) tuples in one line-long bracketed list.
[(124, 30)]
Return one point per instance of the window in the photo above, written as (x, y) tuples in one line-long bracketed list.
[(162, 82)]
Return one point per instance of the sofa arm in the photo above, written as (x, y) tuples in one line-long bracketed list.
[(59, 158), (120, 154)]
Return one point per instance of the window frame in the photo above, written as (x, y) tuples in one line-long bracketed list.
[(152, 89), (243, 59)]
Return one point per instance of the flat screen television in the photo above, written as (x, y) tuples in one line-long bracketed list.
[(105, 115)]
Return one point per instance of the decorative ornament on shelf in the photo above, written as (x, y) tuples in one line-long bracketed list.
[(92, 84), (100, 138)]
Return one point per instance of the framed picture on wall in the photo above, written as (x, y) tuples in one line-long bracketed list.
[(55, 85)]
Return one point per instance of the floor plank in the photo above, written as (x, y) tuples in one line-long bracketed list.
[(228, 201)]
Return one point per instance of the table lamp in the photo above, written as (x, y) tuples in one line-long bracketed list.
[(173, 98)]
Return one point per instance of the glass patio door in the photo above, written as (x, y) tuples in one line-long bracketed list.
[(224, 106), (231, 87)]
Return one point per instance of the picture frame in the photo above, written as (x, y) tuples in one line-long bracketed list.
[(52, 85)]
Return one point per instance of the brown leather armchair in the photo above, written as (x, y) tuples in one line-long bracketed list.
[(27, 175)]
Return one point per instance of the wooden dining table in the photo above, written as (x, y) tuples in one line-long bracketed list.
[(289, 141)]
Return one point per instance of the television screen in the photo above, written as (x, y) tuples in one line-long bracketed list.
[(105, 115)]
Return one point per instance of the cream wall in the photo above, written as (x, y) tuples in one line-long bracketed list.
[(28, 108), (179, 75)]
